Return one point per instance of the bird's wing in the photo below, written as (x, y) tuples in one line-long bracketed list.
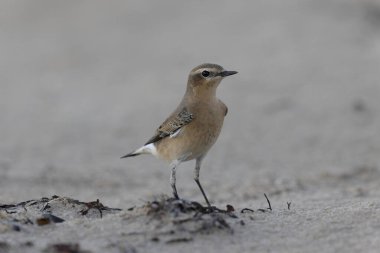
[(172, 124)]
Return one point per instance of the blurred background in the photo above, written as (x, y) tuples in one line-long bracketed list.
[(84, 82)]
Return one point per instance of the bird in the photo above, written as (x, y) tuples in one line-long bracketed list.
[(193, 127)]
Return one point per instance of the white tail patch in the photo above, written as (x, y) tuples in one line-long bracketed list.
[(147, 149)]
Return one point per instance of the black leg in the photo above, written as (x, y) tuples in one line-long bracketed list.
[(175, 194), (173, 178), (196, 178), (203, 192)]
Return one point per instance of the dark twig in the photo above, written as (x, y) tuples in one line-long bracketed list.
[(96, 205), (270, 207), (93, 205), (22, 204), (244, 210), (288, 203)]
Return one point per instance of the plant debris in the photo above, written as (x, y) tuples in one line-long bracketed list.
[(188, 216), (244, 210), (94, 205), (64, 248), (46, 211), (48, 219), (163, 219), (176, 206), (180, 239), (269, 205)]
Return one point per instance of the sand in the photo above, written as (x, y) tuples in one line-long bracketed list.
[(84, 82)]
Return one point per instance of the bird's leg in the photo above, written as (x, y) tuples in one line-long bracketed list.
[(173, 166), (196, 178)]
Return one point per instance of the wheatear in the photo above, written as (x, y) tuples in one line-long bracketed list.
[(190, 131)]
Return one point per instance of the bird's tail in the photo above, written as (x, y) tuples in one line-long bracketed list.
[(130, 155), (147, 149)]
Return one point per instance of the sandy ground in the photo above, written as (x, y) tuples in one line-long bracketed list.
[(84, 82)]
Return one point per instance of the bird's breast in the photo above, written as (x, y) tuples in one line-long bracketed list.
[(197, 137)]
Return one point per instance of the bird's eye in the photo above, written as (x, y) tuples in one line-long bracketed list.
[(205, 73)]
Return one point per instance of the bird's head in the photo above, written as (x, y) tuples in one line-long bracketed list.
[(205, 78)]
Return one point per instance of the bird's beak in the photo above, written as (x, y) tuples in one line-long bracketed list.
[(227, 73)]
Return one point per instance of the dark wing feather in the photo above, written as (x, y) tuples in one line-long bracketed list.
[(171, 125)]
